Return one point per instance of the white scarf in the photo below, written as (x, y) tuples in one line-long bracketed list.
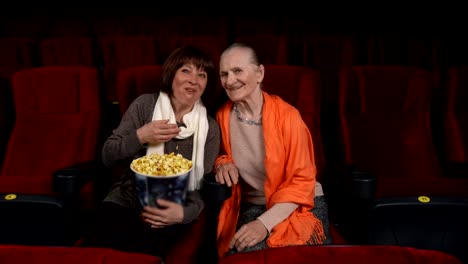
[(197, 125)]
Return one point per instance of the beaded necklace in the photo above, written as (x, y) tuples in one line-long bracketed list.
[(257, 122)]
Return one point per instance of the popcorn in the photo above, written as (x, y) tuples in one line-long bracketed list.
[(161, 165)]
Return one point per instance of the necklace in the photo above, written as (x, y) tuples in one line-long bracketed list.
[(176, 143), (176, 140), (257, 122)]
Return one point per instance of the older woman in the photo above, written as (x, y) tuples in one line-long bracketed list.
[(267, 156)]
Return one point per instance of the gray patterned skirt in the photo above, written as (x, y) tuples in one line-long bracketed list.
[(250, 212)]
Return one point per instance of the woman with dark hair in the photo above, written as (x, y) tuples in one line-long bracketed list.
[(171, 120)]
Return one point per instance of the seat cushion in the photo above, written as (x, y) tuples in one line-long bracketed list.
[(71, 255), (341, 254)]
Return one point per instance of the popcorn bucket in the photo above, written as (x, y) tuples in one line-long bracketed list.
[(161, 177), (172, 188)]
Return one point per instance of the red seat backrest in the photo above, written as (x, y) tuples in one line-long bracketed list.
[(6, 117), (212, 44), (271, 48), (57, 119), (137, 80), (64, 51), (121, 51), (384, 254), (385, 121), (71, 255), (301, 87), (455, 115), (134, 81), (15, 53)]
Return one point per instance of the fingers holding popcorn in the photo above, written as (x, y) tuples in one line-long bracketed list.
[(157, 131)]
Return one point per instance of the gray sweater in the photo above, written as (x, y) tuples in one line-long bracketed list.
[(123, 146)]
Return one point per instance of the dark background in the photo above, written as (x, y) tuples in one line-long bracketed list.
[(434, 42)]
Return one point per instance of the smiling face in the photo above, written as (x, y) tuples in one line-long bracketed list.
[(188, 84), (240, 75)]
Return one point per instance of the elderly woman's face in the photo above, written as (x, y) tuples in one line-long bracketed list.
[(239, 76), (188, 84)]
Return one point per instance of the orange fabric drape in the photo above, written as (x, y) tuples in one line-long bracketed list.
[(290, 176)]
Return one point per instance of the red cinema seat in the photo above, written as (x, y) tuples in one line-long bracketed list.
[(21, 254), (55, 135), (272, 48), (212, 44), (302, 87), (4, 133), (120, 51), (365, 254), (132, 82), (393, 173), (16, 53), (384, 110), (67, 51), (7, 114), (455, 121), (135, 81), (385, 128)]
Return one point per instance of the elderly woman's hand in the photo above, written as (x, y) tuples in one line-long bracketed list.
[(227, 173), (249, 235)]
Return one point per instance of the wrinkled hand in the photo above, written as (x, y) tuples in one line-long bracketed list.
[(249, 235), (170, 213), (157, 131), (227, 173)]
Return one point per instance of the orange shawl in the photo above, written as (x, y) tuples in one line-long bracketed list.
[(290, 176)]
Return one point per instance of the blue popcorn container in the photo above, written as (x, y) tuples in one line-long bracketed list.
[(171, 187)]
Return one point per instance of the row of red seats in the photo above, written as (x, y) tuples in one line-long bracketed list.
[(453, 75), (396, 186), (57, 127), (392, 184), (326, 255), (111, 52), (52, 168), (384, 120), (363, 254), (56, 131), (23, 254), (455, 119)]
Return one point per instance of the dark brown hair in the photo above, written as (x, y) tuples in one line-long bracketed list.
[(187, 55)]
